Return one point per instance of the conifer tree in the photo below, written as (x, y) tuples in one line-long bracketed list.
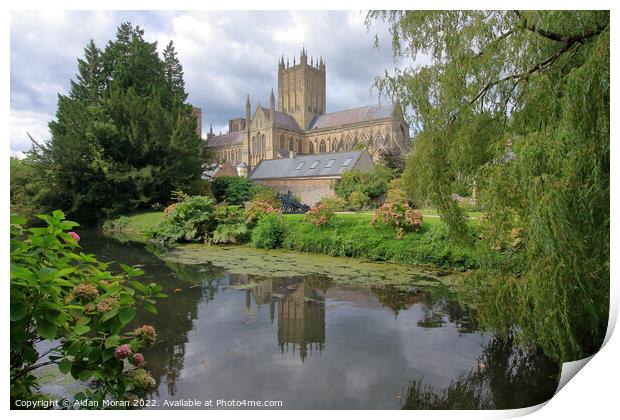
[(122, 139)]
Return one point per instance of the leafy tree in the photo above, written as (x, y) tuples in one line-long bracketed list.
[(515, 104), (235, 190), (123, 138), (67, 297)]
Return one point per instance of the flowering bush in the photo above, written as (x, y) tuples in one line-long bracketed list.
[(399, 216), (319, 215), (257, 210), (68, 298)]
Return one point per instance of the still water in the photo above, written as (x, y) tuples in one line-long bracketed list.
[(311, 344)]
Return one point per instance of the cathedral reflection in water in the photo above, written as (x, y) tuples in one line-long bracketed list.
[(301, 313)]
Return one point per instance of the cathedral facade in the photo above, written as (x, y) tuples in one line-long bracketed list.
[(300, 125)]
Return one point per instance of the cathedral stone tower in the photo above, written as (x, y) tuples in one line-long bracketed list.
[(301, 89)]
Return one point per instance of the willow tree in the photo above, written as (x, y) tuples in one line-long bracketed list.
[(515, 105)]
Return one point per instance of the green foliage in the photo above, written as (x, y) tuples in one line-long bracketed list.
[(516, 105), (235, 189), (334, 203), (351, 235), (358, 201), (28, 191), (372, 183), (231, 225), (192, 219), (67, 297), (269, 232), (123, 138)]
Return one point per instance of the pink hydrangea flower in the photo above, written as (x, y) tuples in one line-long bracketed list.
[(74, 236), (138, 359), (123, 351)]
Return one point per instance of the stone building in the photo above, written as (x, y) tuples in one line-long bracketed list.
[(309, 177), (301, 125)]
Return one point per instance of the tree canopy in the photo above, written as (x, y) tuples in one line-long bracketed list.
[(123, 138), (515, 104)]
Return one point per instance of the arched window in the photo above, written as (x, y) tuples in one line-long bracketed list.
[(311, 148), (322, 147), (282, 142), (291, 144)]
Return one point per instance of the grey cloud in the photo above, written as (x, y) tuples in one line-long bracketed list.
[(225, 55)]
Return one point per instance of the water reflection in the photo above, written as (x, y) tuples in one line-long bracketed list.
[(505, 377), (223, 335)]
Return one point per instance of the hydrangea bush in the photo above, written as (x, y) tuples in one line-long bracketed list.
[(73, 301), (399, 215), (319, 215)]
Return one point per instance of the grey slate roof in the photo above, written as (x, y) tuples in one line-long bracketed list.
[(226, 139), (282, 119), (351, 116), (285, 168)]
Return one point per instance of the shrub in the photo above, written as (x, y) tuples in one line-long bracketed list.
[(190, 220), (261, 193), (334, 203), (234, 189), (373, 183), (269, 232), (231, 226), (319, 215), (358, 201), (398, 215), (69, 298), (257, 210)]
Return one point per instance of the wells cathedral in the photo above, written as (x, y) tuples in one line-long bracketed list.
[(299, 124)]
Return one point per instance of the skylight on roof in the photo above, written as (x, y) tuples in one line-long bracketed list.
[(314, 164), (347, 162), (330, 163), (299, 165)]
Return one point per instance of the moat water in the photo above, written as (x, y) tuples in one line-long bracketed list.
[(313, 344)]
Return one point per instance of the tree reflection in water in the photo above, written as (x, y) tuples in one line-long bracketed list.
[(506, 377), (437, 307)]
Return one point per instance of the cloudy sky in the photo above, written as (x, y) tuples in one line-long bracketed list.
[(225, 55)]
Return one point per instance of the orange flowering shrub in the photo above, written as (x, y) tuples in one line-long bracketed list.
[(319, 215), (169, 210), (399, 216), (257, 210)]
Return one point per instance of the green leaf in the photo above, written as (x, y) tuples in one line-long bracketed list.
[(81, 329), (134, 344), (126, 315), (149, 307), (17, 219), (18, 311), (112, 341), (46, 329), (109, 314), (107, 354), (65, 366), (58, 214)]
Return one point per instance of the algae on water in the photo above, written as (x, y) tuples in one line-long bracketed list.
[(283, 263)]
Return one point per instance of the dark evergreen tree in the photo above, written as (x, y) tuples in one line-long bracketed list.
[(123, 139), (173, 71)]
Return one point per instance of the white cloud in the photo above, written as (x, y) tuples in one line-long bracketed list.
[(23, 122)]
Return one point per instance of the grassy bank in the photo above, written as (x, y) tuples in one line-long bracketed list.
[(348, 235)]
